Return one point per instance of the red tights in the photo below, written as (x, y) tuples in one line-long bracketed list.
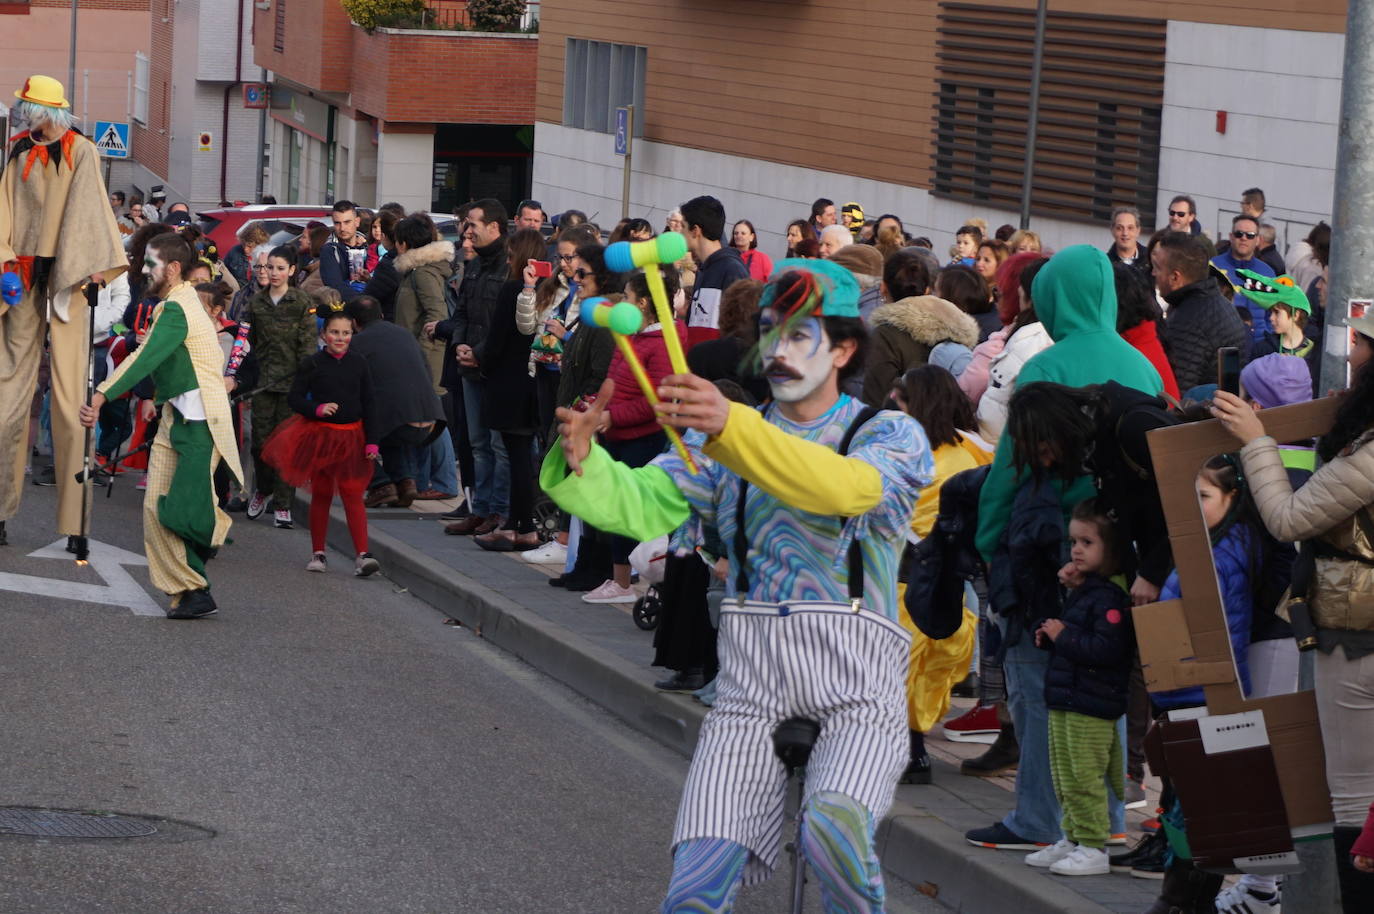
[(322, 488)]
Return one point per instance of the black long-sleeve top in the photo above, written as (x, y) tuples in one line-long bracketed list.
[(346, 380)]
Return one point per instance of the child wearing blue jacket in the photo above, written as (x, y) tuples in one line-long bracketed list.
[(1092, 646)]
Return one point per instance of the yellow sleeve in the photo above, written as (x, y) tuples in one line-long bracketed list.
[(808, 476)]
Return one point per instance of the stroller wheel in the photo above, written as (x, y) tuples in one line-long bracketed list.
[(546, 515), (646, 610)]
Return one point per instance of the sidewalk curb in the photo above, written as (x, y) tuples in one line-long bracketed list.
[(914, 846)]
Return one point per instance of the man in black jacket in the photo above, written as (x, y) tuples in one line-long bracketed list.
[(1200, 321), (342, 257), (466, 331), (719, 266), (407, 407)]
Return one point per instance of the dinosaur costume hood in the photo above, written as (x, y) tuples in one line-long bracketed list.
[(1267, 291)]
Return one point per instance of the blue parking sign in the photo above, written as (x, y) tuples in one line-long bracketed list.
[(622, 131)]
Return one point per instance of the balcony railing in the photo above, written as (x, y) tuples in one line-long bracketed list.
[(453, 15)]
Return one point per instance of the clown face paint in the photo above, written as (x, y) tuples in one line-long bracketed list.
[(798, 363), (155, 272)]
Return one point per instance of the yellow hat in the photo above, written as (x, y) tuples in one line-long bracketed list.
[(42, 90)]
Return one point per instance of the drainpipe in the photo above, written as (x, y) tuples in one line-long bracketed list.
[(224, 129)]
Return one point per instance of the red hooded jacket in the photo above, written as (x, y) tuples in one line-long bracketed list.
[(631, 414), (1145, 339)]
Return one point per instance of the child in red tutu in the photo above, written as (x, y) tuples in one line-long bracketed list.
[(331, 442)]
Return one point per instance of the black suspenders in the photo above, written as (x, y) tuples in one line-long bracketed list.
[(856, 556)]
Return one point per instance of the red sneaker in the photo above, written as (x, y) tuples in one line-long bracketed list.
[(1149, 825), (977, 725)]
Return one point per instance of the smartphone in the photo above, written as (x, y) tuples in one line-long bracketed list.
[(1228, 370), (542, 268)]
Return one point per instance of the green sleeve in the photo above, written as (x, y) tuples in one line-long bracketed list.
[(307, 333), (994, 501), (165, 337), (641, 503)]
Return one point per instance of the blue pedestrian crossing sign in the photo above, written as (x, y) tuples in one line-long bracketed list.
[(112, 139)]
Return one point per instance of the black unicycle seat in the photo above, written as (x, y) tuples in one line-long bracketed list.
[(793, 739)]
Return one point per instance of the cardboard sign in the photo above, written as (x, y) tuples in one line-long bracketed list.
[(1185, 642)]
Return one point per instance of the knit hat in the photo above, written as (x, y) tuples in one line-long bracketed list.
[(835, 292), (1277, 380), (855, 212), (862, 259)]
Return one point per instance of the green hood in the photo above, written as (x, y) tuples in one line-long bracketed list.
[(1267, 291), (1075, 292)]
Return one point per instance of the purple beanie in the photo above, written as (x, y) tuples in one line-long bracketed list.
[(1277, 380)]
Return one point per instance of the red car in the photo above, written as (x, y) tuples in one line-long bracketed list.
[(222, 225)]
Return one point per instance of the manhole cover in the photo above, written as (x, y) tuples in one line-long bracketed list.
[(45, 823)]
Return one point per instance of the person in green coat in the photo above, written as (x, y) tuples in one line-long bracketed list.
[(1075, 298)]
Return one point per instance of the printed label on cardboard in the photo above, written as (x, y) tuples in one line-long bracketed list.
[(1231, 732), (1269, 864)]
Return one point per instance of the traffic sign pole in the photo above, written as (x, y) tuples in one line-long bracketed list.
[(624, 146)]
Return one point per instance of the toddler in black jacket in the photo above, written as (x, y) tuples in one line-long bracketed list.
[(1093, 647)]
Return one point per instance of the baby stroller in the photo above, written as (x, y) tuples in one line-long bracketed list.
[(647, 561)]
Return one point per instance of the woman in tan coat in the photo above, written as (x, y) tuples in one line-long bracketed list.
[(1334, 510)]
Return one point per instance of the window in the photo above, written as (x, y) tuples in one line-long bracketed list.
[(279, 29), (599, 77), (140, 88), (1101, 96)]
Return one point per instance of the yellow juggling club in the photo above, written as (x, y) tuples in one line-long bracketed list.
[(668, 248)]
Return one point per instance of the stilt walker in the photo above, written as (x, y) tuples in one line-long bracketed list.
[(57, 233)]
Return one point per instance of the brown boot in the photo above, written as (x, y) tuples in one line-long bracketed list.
[(492, 522), (467, 526), (405, 493), (381, 497)]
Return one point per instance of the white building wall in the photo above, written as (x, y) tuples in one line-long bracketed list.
[(405, 169), (578, 169), (1281, 91)]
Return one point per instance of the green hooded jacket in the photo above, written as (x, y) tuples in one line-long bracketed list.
[(1075, 298)]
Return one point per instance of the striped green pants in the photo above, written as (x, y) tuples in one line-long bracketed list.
[(1083, 750)]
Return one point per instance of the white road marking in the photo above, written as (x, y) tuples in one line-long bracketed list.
[(119, 589)]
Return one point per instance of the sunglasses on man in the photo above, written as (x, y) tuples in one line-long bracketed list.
[(1179, 214), (1249, 235)]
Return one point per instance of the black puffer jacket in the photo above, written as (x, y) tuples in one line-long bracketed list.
[(1199, 323), (1023, 581), (1091, 660)]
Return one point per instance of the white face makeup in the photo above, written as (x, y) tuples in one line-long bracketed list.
[(798, 363), (154, 270)]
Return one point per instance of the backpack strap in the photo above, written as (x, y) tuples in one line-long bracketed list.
[(856, 556)]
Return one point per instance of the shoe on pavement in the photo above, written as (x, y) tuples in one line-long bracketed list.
[(434, 495), (576, 584), (977, 725), (465, 527), (365, 565), (1118, 840), (492, 522), (1047, 856), (918, 771), (194, 604), (47, 476), (551, 553), (1003, 755), (1084, 861), (688, 680), (1135, 794), (256, 505), (143, 484), (1150, 825), (610, 592), (384, 496), (405, 493), (966, 687), (236, 505), (1238, 899), (999, 837), (282, 520), (316, 563), (1147, 856)]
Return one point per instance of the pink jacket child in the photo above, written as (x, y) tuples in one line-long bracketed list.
[(629, 411)]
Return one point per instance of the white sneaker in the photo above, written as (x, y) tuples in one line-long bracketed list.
[(1238, 899), (256, 505), (316, 563), (551, 553), (282, 520), (1047, 856), (365, 565), (611, 592), (1084, 861)]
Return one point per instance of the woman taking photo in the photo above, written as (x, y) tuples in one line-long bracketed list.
[(1333, 511), (745, 240)]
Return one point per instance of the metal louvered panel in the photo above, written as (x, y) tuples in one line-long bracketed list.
[(1101, 95)]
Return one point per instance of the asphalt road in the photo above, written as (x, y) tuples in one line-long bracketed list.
[(324, 744)]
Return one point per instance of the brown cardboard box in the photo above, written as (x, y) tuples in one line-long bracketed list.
[(1184, 642)]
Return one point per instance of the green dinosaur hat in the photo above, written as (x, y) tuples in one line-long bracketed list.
[(1268, 291)]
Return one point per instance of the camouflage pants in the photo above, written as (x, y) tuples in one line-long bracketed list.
[(269, 411)]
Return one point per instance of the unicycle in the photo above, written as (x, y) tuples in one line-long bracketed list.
[(792, 742)]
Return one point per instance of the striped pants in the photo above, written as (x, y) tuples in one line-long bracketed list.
[(1084, 753), (843, 669)]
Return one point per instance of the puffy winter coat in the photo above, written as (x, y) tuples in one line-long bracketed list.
[(1199, 323), (631, 414), (1092, 659), (1232, 559), (902, 335), (1023, 580), (420, 298), (1026, 342)]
